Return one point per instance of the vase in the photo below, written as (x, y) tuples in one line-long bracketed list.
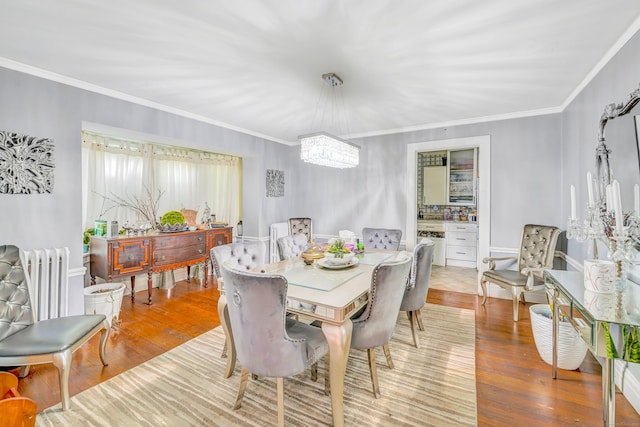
[(600, 276), (571, 348)]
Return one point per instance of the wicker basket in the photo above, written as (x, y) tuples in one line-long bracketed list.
[(571, 348)]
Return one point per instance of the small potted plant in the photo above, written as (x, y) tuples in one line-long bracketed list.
[(338, 253), (86, 238)]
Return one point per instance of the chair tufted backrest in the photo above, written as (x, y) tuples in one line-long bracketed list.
[(257, 307), (241, 255), (292, 246), (381, 238), (415, 296), (15, 304), (300, 225), (375, 325), (538, 246)]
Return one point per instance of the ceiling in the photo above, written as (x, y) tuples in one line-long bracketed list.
[(256, 65)]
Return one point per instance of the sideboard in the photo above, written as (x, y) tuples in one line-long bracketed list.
[(128, 256)]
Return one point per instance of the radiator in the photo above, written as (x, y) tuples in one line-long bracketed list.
[(48, 271), (276, 230)]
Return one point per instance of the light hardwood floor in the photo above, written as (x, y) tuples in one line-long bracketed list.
[(514, 386)]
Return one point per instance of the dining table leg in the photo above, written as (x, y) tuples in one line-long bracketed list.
[(223, 314), (339, 339)]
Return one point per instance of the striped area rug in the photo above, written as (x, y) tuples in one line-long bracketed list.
[(431, 386)]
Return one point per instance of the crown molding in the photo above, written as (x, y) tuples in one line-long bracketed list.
[(626, 36), (69, 81), (38, 72), (470, 121)]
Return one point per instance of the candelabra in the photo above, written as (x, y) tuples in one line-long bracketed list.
[(622, 240)]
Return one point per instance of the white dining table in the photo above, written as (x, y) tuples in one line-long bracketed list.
[(332, 296)]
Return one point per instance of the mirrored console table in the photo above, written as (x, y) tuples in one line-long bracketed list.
[(599, 319)]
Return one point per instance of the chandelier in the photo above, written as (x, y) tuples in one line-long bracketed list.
[(324, 149)]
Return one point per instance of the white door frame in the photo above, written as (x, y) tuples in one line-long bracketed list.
[(484, 187)]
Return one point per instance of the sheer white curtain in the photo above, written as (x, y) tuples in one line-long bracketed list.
[(116, 167)]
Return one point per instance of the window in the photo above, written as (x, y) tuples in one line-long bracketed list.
[(178, 178)]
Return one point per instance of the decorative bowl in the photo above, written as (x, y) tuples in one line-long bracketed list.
[(173, 228), (333, 260)]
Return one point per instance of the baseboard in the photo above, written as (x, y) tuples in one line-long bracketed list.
[(627, 378)]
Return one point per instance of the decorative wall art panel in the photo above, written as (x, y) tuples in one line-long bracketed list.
[(275, 183), (26, 164)]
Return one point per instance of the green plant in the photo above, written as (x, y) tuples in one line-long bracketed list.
[(172, 217), (338, 249), (86, 235)]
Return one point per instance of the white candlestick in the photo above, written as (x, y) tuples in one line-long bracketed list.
[(608, 198), (590, 188), (617, 207), (573, 202), (636, 200)]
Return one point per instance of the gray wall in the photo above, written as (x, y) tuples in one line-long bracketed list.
[(580, 122), (525, 171), (43, 108)]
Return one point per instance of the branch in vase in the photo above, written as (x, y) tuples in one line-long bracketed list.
[(146, 207)]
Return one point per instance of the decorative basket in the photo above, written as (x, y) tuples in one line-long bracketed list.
[(104, 298), (571, 348)]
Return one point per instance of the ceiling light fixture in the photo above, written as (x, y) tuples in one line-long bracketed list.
[(324, 149)]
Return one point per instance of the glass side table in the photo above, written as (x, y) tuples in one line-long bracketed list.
[(598, 318)]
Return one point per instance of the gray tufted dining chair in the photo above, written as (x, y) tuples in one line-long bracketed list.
[(268, 343), (374, 327), (415, 295), (242, 255), (292, 246), (381, 238), (537, 250), (24, 342), (301, 225)]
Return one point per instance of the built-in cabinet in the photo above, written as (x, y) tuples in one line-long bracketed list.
[(451, 178), (462, 244), (434, 230), (462, 177), (435, 185)]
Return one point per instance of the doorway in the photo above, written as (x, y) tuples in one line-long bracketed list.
[(483, 143)]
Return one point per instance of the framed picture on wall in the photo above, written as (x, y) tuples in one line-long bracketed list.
[(275, 183), (26, 164)]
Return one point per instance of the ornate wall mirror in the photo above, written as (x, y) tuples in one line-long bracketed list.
[(618, 154)]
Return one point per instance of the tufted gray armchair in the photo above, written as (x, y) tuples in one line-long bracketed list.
[(242, 255), (381, 238), (537, 250), (301, 225), (292, 246), (267, 342), (415, 296), (374, 327), (24, 342)]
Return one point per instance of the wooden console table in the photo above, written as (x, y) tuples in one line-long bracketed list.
[(128, 256)]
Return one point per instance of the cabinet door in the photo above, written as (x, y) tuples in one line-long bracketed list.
[(130, 257), (218, 237), (434, 185), (462, 177)]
